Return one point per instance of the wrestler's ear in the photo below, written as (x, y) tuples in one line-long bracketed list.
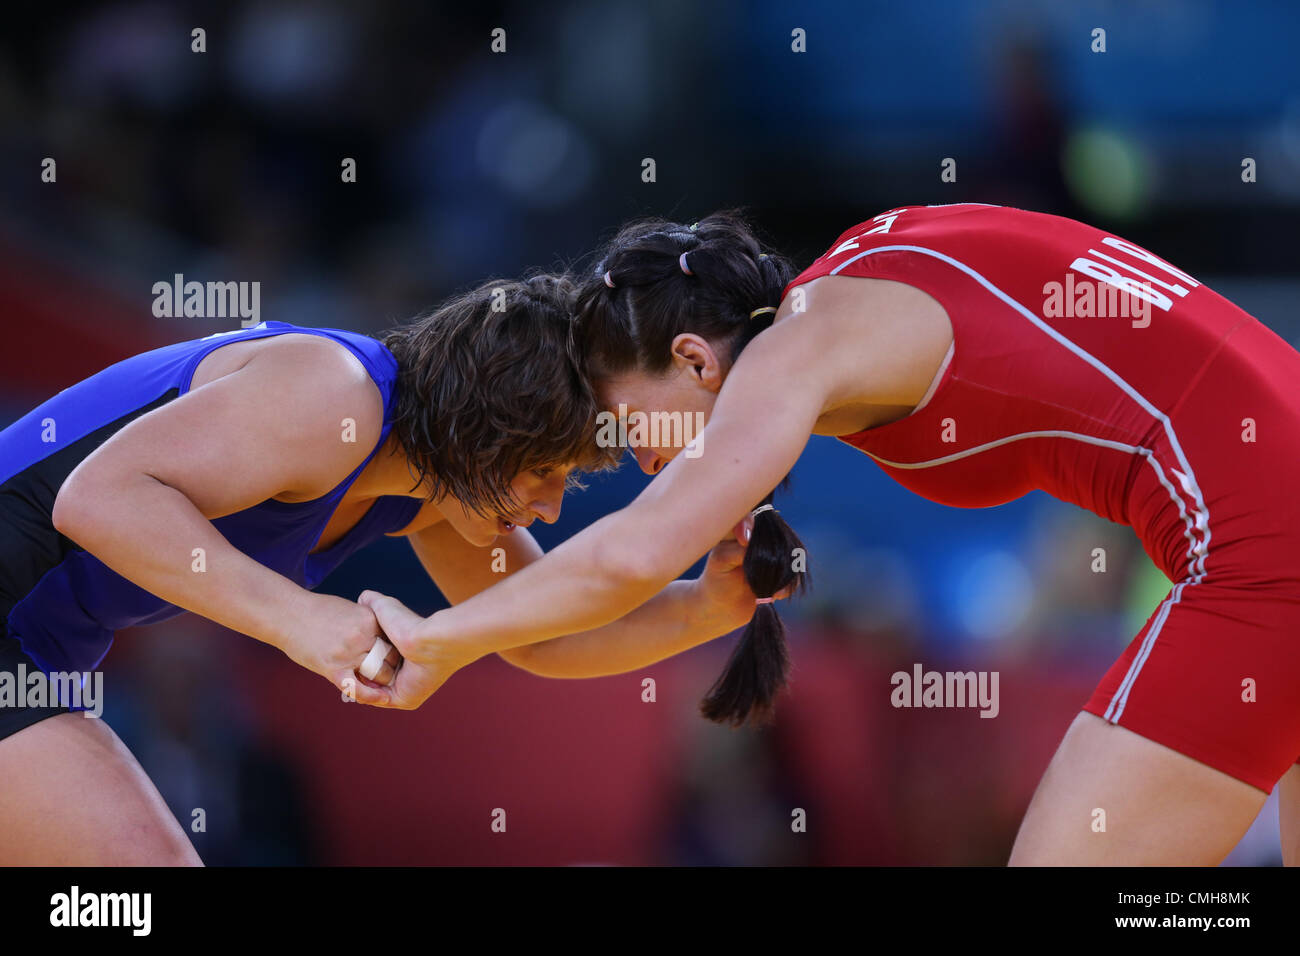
[(693, 353)]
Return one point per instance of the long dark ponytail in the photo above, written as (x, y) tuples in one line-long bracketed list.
[(655, 281)]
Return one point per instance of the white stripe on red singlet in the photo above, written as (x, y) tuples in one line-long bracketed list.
[(1198, 550)]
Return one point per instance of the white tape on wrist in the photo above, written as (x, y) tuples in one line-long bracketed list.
[(375, 659)]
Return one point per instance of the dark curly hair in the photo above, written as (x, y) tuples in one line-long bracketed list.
[(490, 385)]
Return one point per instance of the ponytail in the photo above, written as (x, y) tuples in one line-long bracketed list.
[(760, 664)]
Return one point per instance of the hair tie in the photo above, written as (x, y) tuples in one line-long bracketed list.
[(766, 600), (681, 261), (760, 509), (608, 281), (767, 308)]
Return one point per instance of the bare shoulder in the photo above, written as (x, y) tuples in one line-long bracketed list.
[(319, 380), (287, 422), (858, 299), (880, 341), (291, 351), (316, 400), (311, 366)]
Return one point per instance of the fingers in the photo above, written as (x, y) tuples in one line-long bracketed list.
[(380, 651), (377, 670), (727, 555), (361, 690), (376, 601), (386, 673), (399, 623), (382, 607), (404, 693), (742, 531), (380, 603), (388, 670)]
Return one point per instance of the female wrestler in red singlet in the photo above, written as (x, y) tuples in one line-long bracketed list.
[(975, 353)]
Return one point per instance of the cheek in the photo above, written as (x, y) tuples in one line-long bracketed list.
[(524, 491)]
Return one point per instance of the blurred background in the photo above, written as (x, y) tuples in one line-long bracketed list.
[(225, 165)]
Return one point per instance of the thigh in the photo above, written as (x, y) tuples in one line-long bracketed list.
[(1113, 798), (71, 793), (1213, 675), (1288, 811)]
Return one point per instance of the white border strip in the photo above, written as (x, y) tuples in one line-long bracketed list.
[(1106, 443), (934, 382)]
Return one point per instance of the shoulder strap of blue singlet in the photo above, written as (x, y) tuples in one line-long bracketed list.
[(372, 353)]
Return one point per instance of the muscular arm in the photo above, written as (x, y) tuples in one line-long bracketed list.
[(679, 617), (143, 501)]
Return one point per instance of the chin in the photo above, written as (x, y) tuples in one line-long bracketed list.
[(478, 535)]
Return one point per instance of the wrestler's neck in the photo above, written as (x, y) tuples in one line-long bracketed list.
[(387, 473)]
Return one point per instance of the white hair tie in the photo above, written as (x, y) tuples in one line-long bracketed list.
[(681, 261), (760, 509), (608, 281)]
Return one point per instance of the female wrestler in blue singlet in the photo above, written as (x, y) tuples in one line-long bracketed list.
[(229, 475)]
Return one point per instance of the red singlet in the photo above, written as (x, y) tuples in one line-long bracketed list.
[(1087, 367)]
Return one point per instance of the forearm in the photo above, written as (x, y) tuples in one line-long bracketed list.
[(681, 616), (584, 590), (673, 621), (626, 558), (154, 536)]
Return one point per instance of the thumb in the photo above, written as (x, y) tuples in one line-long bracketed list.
[(413, 685), (398, 621), (387, 610), (726, 556)]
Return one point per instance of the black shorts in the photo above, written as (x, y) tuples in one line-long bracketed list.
[(13, 716)]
